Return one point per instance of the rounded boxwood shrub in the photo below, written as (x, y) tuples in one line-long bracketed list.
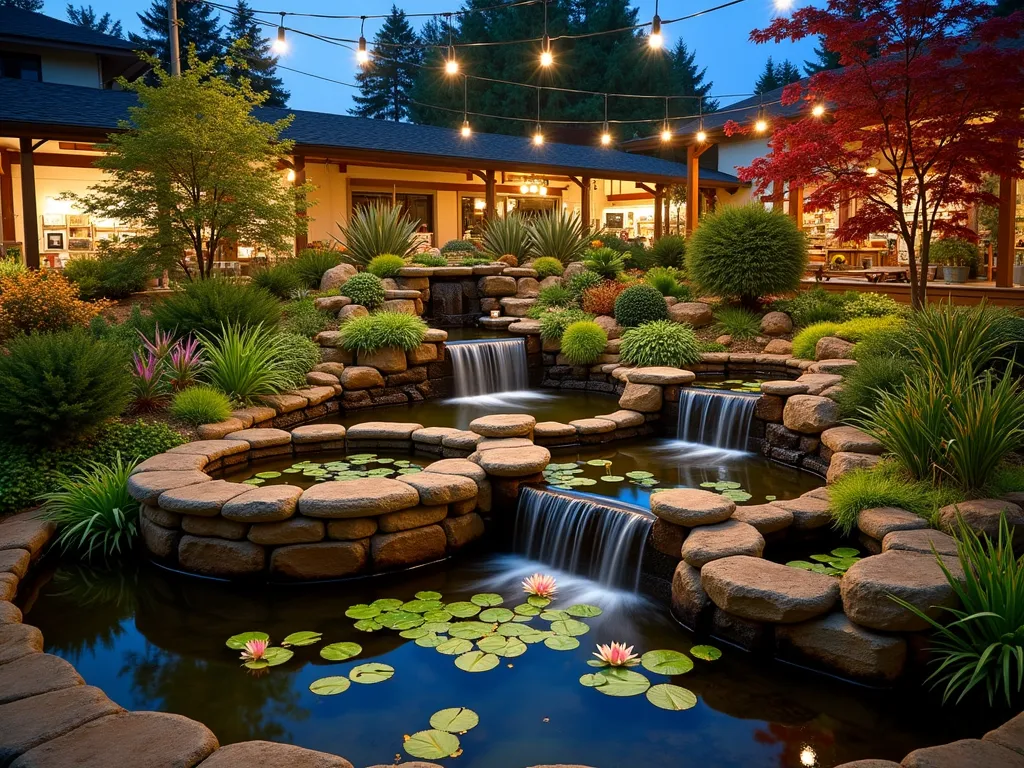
[(669, 251), (200, 405), (583, 342), (383, 329), (204, 306), (364, 289), (553, 324), (547, 266), (640, 304), (459, 246), (745, 253), (57, 387), (385, 265), (807, 339), (661, 342)]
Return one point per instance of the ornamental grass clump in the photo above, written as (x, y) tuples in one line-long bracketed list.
[(553, 324), (805, 342), (364, 289), (547, 267), (737, 322), (297, 355), (949, 338), (245, 362), (203, 306), (745, 253), (311, 264), (667, 281), (560, 235), (669, 251), (814, 306), (279, 279), (507, 235), (660, 343), (200, 405), (866, 381), (376, 229), (430, 260), (551, 297), (583, 342), (385, 265), (383, 329), (639, 304)]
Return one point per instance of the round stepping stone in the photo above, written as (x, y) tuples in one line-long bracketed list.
[(494, 443), (263, 505), (921, 541), (383, 430), (318, 433), (202, 499), (783, 388), (174, 462), (910, 576), (966, 753), (26, 531), (766, 518), (39, 719), (504, 425), (660, 375), (808, 512), (623, 419), (593, 426), (725, 539), (433, 435), (363, 497), (760, 590), (269, 754), (552, 429), (810, 414), (982, 516), (463, 467), (514, 462), (879, 521), (461, 440), (439, 488), (690, 507), (261, 438)]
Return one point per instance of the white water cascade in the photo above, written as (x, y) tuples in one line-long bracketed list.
[(715, 418), (602, 541), (487, 366)]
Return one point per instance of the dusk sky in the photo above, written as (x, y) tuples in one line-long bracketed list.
[(719, 38)]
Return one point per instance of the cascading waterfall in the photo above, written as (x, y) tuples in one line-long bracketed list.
[(489, 365), (715, 418), (581, 535)]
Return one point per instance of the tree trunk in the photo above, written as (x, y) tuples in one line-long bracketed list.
[(918, 276)]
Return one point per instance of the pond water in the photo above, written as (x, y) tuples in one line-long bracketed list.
[(156, 641)]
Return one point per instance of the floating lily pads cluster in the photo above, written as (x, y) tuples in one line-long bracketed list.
[(835, 563), (569, 475), (258, 653), (730, 489), (352, 467), (615, 678), (441, 740), (733, 385)]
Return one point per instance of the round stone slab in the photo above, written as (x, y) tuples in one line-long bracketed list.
[(203, 499), (383, 430), (212, 449), (761, 590), (691, 507), (767, 518), (363, 497), (879, 521), (660, 375), (725, 539), (318, 433), (514, 462), (547, 429), (147, 486), (261, 438), (269, 754), (438, 488), (504, 425), (921, 540), (263, 505), (463, 467)]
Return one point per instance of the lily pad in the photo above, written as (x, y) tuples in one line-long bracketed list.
[(254, 481), (555, 615), (363, 611), (367, 625), (801, 564), (437, 627), (527, 610), (276, 656), (434, 616), (672, 697), (538, 602), (584, 611), (267, 475), (454, 647), (639, 475), (237, 642), (845, 552), (569, 627), (598, 462), (514, 647), (454, 720), (705, 652), (496, 615), (534, 636), (612, 478), (562, 643), (470, 630), (431, 745), (422, 606), (593, 680), (302, 638), (486, 600), (513, 629), (462, 610), (340, 651), (374, 672), (329, 686), (622, 682), (476, 661), (428, 595), (493, 644), (415, 633), (430, 641), (399, 620), (667, 662)]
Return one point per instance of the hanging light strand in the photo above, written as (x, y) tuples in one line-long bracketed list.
[(655, 40), (362, 55), (466, 130), (606, 134), (546, 57)]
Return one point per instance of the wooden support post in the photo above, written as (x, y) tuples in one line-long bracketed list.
[(693, 153), (796, 204), (7, 231), (1005, 234), (299, 166), (585, 200), (490, 196), (28, 204), (666, 216), (659, 224)]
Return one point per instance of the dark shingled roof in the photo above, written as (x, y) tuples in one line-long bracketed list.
[(24, 104), (25, 26)]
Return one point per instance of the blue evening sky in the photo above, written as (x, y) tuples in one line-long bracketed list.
[(719, 38)]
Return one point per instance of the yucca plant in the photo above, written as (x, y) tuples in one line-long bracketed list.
[(560, 235), (605, 262), (985, 642), (94, 513), (245, 362), (507, 235), (377, 229)]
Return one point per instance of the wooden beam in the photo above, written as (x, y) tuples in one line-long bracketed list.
[(7, 231), (693, 153), (53, 160), (302, 238), (652, 191), (659, 221), (442, 186), (28, 204), (585, 200), (625, 197), (490, 196), (1006, 231), (77, 146), (796, 204)]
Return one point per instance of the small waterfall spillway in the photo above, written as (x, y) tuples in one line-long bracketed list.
[(714, 418), (598, 540), (489, 365)]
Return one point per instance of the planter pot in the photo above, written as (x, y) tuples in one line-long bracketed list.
[(933, 271), (955, 274), (1018, 274)]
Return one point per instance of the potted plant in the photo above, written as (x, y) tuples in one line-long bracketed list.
[(956, 257)]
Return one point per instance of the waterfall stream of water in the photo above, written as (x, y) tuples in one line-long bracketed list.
[(488, 366), (714, 418)]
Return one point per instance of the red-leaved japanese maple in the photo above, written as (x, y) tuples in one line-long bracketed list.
[(927, 101)]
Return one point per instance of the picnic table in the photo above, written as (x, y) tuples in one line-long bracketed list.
[(872, 275)]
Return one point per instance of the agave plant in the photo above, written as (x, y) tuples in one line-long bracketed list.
[(94, 513), (376, 229), (506, 235), (559, 234), (984, 644), (161, 344)]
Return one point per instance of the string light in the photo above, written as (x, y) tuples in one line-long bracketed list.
[(524, 189), (362, 55), (466, 130), (538, 132), (701, 135), (606, 134), (818, 110), (655, 40), (451, 64), (280, 45), (546, 58), (666, 134)]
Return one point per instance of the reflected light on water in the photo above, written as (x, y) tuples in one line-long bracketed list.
[(808, 757), (500, 399)]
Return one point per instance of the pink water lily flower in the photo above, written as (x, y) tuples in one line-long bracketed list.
[(616, 654), (255, 650), (540, 585)]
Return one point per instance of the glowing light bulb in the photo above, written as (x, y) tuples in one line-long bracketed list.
[(808, 757), (818, 110), (466, 130), (534, 189), (546, 57), (280, 44), (291, 174), (761, 126), (702, 136), (451, 67), (655, 40), (666, 134), (362, 55), (524, 189), (543, 191), (606, 139), (871, 170), (538, 136)]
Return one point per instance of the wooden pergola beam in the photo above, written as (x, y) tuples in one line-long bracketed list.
[(1006, 231), (28, 203)]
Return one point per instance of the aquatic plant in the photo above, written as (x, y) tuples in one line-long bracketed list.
[(540, 585), (255, 650), (617, 655), (835, 563)]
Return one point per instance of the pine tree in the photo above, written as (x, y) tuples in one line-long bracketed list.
[(386, 83), (252, 58), (769, 79), (787, 72), (826, 60), (688, 80), (23, 5), (85, 16), (197, 25)]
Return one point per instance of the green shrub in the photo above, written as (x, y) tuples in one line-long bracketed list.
[(302, 317), (127, 334), (581, 281), (383, 329), (661, 342), (553, 296), (639, 304), (862, 328), (883, 486), (459, 246), (890, 341), (605, 262), (871, 305), (547, 267), (474, 261), (951, 338), (94, 513), (429, 260), (669, 251), (553, 324), (984, 644), (311, 264), (10, 268), (737, 322), (385, 265), (506, 235), (954, 252), (806, 340), (55, 388), (203, 306), (865, 382), (245, 362), (712, 346), (583, 342), (560, 235), (745, 253), (297, 355), (200, 405), (117, 271), (376, 229), (667, 281), (279, 279), (814, 306), (364, 289), (1007, 479)]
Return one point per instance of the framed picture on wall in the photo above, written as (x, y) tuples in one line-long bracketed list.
[(79, 244), (79, 220), (54, 241), (54, 219)]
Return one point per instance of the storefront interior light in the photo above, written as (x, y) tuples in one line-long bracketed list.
[(524, 189), (479, 204), (543, 190)]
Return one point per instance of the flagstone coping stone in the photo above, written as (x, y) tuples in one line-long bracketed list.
[(383, 430), (266, 437), (760, 590), (690, 507), (504, 425), (362, 497), (268, 504), (514, 462)]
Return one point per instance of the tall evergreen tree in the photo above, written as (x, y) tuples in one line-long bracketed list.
[(85, 16), (688, 80), (198, 25), (787, 73), (23, 5), (826, 60), (768, 79), (251, 57), (386, 83)]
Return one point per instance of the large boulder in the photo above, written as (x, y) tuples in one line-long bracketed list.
[(832, 348), (611, 328), (808, 512), (810, 414), (760, 590), (966, 753), (836, 643), (695, 313), (385, 359), (878, 521), (361, 377), (645, 398), (850, 439), (497, 286), (404, 548), (844, 462), (688, 596), (982, 516), (725, 539), (335, 277), (923, 540), (324, 560), (776, 324), (270, 754)]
